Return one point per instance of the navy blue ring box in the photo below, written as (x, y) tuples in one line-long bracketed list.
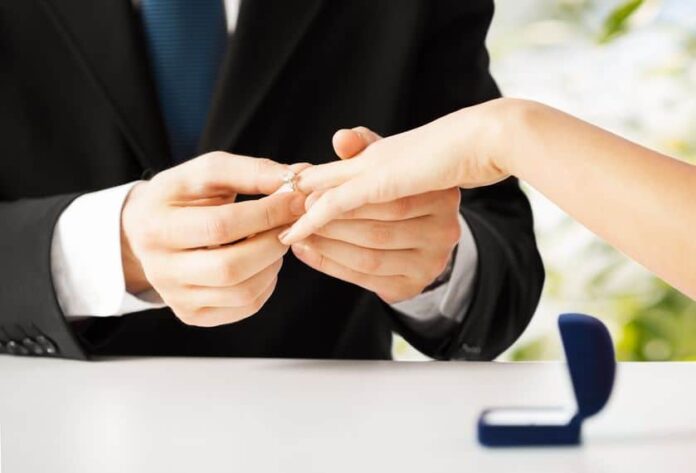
[(590, 356)]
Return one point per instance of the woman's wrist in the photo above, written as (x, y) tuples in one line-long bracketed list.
[(501, 121), (517, 122), (480, 146)]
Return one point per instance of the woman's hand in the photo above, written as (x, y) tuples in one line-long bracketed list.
[(604, 181), (454, 151), (394, 249)]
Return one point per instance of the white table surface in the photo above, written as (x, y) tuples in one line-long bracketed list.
[(239, 415)]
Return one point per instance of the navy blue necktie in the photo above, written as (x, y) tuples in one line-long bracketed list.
[(186, 41)]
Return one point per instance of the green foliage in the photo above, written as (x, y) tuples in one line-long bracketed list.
[(663, 329), (535, 350), (616, 23)]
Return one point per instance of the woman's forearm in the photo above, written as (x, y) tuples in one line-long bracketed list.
[(638, 200)]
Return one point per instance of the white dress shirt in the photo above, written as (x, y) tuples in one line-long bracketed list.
[(88, 275)]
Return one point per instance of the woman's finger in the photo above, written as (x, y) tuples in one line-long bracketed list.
[(329, 206), (364, 260), (381, 285), (326, 176), (348, 143)]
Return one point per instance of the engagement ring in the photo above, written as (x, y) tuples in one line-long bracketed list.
[(289, 183)]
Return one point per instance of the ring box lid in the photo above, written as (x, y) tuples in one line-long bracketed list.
[(591, 363)]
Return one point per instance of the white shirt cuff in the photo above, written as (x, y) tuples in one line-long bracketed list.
[(452, 299), (86, 258)]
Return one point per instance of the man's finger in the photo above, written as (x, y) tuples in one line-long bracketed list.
[(326, 176), (215, 316), (405, 208), (348, 143), (364, 260), (240, 295), (376, 284), (229, 265), (402, 235), (200, 227), (218, 173)]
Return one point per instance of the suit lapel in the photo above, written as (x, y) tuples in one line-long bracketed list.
[(268, 31), (105, 39)]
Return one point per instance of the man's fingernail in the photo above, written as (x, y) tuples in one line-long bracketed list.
[(297, 205), (300, 249)]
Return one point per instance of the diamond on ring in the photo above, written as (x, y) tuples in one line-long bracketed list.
[(289, 183)]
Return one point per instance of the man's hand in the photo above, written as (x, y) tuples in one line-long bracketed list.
[(213, 261), (393, 249)]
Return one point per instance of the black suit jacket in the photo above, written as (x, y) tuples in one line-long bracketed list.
[(79, 113)]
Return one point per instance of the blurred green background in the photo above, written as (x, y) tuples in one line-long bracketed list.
[(628, 66)]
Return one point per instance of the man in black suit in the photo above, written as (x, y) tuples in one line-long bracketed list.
[(91, 254)]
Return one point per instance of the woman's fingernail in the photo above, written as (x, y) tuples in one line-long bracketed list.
[(289, 236), (283, 236)]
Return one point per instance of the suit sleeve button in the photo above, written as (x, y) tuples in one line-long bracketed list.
[(33, 347), (11, 347), (14, 348), (46, 344)]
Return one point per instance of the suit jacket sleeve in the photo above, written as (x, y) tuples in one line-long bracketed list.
[(452, 73), (29, 312)]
